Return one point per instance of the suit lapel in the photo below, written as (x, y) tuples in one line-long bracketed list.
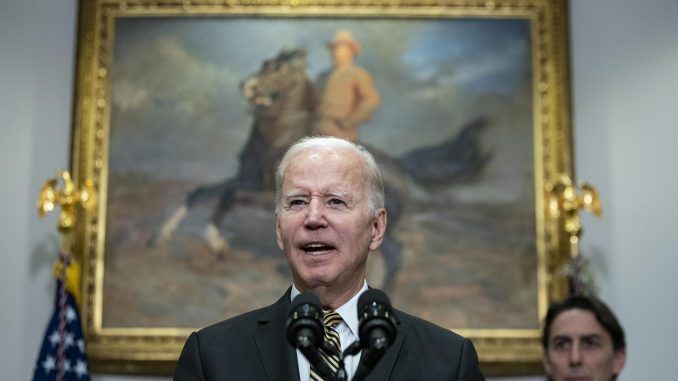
[(277, 355), (382, 371)]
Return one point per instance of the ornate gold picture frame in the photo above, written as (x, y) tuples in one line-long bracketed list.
[(473, 121)]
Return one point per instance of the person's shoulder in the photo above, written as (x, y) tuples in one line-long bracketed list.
[(234, 324), (235, 321), (239, 325), (360, 71), (427, 330), (439, 347)]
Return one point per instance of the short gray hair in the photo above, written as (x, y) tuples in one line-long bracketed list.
[(375, 183)]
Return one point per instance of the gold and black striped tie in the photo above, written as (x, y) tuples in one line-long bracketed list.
[(330, 319)]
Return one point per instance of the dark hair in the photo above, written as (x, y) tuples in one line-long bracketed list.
[(602, 312)]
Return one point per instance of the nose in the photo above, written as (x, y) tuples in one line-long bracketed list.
[(315, 215), (575, 355)]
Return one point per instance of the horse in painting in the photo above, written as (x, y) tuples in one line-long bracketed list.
[(280, 99)]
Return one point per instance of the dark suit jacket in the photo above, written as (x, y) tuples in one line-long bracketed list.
[(253, 347)]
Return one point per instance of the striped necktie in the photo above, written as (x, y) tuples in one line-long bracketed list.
[(330, 319)]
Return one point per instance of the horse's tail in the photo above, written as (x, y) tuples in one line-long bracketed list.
[(458, 157)]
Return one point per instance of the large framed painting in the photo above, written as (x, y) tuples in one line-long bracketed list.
[(184, 107)]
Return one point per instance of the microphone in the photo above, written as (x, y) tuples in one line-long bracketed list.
[(377, 329), (377, 325), (305, 330), (304, 321)]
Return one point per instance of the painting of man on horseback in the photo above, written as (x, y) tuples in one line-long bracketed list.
[(456, 163), (284, 108)]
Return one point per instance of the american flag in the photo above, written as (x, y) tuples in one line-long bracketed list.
[(62, 356)]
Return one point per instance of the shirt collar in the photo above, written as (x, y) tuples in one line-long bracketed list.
[(348, 311)]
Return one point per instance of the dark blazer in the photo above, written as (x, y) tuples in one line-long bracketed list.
[(253, 347)]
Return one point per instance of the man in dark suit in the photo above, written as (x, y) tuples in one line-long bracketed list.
[(330, 215)]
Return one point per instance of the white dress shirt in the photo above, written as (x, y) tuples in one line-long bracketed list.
[(348, 333)]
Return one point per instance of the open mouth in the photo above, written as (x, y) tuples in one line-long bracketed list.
[(317, 248)]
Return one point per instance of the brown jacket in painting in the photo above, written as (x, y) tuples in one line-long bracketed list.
[(348, 98)]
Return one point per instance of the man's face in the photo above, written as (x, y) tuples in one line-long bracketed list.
[(342, 53), (580, 349), (324, 226)]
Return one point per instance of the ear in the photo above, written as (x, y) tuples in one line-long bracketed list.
[(618, 361), (378, 229), (278, 233)]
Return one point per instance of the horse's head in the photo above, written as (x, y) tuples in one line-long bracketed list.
[(267, 88)]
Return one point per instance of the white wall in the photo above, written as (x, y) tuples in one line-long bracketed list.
[(36, 71), (625, 84), (625, 65)]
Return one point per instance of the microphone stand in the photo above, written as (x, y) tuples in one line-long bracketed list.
[(367, 362), (352, 350), (313, 356), (370, 357)]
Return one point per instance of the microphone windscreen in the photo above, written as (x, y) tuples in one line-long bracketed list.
[(305, 298), (370, 296)]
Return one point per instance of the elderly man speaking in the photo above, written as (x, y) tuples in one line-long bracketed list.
[(330, 216)]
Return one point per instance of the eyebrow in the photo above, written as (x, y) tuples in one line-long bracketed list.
[(585, 336), (345, 195), (295, 193), (302, 193), (592, 336)]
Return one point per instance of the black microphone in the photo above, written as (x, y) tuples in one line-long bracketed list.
[(304, 321), (305, 330), (377, 329), (376, 322)]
